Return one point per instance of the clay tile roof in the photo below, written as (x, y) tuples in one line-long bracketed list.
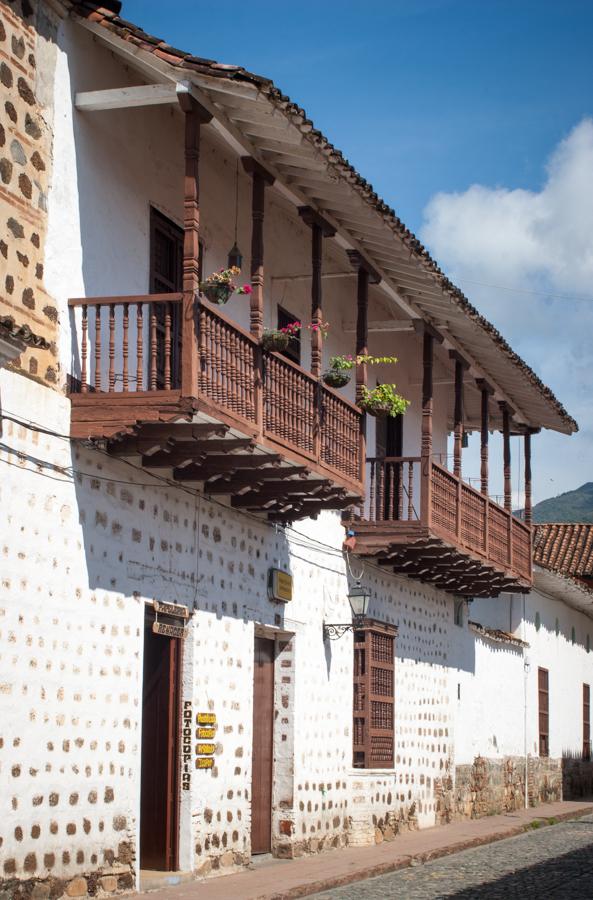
[(105, 14), (10, 330), (565, 548)]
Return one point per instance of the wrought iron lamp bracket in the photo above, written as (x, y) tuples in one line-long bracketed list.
[(334, 631)]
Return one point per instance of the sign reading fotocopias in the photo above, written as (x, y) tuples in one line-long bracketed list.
[(206, 722), (186, 746)]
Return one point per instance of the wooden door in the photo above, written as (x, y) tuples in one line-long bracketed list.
[(263, 736), (389, 442), (543, 686), (159, 791), (166, 277)]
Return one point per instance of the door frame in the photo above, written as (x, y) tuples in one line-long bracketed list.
[(173, 835)]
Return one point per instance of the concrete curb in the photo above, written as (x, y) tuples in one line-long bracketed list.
[(404, 862)]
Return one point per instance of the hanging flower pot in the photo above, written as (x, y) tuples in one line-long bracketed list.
[(217, 293), (275, 340), (219, 287), (336, 378), (383, 401)]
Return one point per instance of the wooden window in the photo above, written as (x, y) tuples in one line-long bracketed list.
[(586, 721), (544, 711), (373, 713), (293, 351)]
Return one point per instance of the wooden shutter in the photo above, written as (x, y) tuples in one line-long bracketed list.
[(373, 712), (544, 712), (586, 721)]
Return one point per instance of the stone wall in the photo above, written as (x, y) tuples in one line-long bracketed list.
[(27, 59), (492, 786)]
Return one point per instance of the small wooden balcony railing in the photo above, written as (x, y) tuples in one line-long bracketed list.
[(128, 354), (454, 526)]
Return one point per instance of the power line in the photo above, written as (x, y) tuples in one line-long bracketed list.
[(552, 296)]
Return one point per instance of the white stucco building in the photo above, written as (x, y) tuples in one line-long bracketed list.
[(163, 705)]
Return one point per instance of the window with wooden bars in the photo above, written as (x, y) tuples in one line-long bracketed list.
[(586, 722), (543, 711), (373, 714)]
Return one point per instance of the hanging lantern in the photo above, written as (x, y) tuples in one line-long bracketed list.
[(465, 440), (235, 257)]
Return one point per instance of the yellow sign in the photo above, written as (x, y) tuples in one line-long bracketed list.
[(205, 748), (171, 609), (204, 718), (204, 762), (279, 586), (174, 631), (205, 734)]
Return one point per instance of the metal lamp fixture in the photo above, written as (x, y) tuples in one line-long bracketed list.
[(358, 597), (235, 257)]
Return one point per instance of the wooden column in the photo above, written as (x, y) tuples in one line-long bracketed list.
[(528, 508), (195, 117), (366, 276), (429, 335), (506, 444), (460, 366), (319, 229), (260, 178), (485, 391)]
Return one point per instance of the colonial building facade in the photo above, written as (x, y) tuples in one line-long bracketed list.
[(189, 510)]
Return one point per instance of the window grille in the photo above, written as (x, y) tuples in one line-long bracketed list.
[(373, 713)]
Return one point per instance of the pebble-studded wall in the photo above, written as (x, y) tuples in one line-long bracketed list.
[(86, 542), (27, 61)]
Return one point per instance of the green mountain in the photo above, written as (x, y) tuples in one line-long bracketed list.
[(574, 506)]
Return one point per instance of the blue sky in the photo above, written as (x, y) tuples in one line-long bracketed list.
[(474, 120)]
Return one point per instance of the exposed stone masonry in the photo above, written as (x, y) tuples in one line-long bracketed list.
[(27, 57)]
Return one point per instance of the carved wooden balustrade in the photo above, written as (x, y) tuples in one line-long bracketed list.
[(128, 352), (464, 543)]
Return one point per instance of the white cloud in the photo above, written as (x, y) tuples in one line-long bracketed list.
[(534, 241)]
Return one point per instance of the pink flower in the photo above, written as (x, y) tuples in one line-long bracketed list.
[(247, 289)]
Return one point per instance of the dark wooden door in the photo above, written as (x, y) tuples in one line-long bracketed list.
[(263, 735), (389, 439), (159, 792), (166, 277)]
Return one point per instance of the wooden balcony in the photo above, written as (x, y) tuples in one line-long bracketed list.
[(253, 426), (432, 526)]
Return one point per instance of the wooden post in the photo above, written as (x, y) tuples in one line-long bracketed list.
[(429, 335), (528, 508), (260, 179), (506, 443), (460, 366), (366, 276), (485, 390), (195, 117), (319, 229), (426, 445)]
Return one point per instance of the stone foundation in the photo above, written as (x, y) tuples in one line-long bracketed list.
[(491, 786), (106, 882)]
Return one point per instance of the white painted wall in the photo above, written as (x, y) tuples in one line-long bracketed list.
[(491, 711)]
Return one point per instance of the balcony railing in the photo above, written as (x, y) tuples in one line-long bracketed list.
[(457, 513), (130, 347)]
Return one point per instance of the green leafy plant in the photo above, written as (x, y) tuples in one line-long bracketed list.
[(382, 400), (349, 362)]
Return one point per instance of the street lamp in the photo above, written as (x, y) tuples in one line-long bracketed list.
[(358, 597)]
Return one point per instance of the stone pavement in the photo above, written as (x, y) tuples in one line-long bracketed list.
[(305, 877), (552, 863)]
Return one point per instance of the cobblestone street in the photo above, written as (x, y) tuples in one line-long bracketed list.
[(552, 862)]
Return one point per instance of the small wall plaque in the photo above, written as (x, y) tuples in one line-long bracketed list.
[(279, 586), (204, 762)]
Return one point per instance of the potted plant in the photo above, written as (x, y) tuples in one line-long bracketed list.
[(339, 373), (278, 339), (219, 287), (382, 400)]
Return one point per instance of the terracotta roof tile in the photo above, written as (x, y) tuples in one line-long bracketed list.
[(9, 329), (566, 548), (128, 31)]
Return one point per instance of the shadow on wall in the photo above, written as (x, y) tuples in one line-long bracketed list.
[(563, 876)]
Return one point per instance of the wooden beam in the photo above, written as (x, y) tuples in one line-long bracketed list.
[(421, 326), (484, 432), (458, 419), (506, 443), (349, 327), (125, 97)]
